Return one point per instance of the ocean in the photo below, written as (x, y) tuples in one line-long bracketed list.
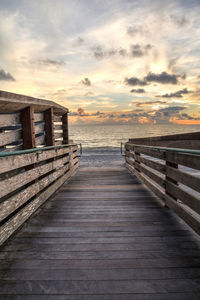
[(111, 136)]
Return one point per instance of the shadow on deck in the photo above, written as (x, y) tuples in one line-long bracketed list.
[(102, 236)]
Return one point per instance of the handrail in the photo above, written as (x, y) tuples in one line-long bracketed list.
[(3, 154), (177, 188), (189, 151), (28, 179)]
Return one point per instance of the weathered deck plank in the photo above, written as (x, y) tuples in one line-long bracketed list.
[(102, 237)]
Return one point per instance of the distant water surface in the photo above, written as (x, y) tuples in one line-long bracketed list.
[(103, 136)]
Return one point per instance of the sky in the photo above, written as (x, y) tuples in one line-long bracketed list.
[(108, 61)]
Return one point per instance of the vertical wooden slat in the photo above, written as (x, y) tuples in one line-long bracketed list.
[(49, 127), (28, 130), (65, 129)]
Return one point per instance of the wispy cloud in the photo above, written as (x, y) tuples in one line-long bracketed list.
[(6, 76), (180, 21), (138, 91), (135, 81), (86, 82), (146, 103), (177, 94), (49, 62)]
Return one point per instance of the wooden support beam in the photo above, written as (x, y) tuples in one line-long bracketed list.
[(49, 127), (137, 155), (169, 179), (28, 130), (65, 129)]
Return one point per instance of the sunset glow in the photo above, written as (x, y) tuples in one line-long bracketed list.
[(115, 62)]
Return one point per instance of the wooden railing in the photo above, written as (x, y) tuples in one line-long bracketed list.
[(172, 174), (28, 178), (27, 122), (190, 140)]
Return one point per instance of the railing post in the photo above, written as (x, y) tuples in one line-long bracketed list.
[(65, 129), (169, 179), (28, 127), (49, 127), (136, 160)]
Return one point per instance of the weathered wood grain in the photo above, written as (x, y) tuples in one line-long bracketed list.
[(185, 178), (28, 127), (10, 163), (188, 199), (11, 102), (57, 118), (10, 136), (190, 206), (38, 117), (150, 152), (17, 220), (40, 140), (9, 119), (39, 128), (49, 127), (58, 127), (58, 135), (65, 128), (159, 180), (188, 160), (174, 141), (9, 185)]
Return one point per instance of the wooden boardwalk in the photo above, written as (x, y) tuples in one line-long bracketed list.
[(103, 236)]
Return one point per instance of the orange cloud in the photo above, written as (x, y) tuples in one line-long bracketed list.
[(145, 120), (185, 122)]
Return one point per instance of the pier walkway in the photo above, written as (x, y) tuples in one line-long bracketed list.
[(102, 236)]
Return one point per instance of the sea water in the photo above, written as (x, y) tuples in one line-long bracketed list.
[(111, 136)]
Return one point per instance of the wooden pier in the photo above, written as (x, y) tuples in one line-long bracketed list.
[(102, 235)]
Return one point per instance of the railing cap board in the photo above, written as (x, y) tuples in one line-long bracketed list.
[(11, 102), (187, 151), (174, 140)]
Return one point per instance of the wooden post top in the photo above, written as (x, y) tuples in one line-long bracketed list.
[(11, 102)]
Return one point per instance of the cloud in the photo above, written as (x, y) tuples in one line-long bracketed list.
[(180, 21), (139, 50), (178, 94), (135, 50), (187, 117), (98, 52), (80, 112), (123, 52), (163, 78), (138, 91), (135, 81), (49, 62), (89, 94), (86, 81), (139, 104), (6, 76), (78, 42), (172, 110), (134, 30)]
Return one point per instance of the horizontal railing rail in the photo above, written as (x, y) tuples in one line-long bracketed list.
[(28, 178), (170, 173)]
